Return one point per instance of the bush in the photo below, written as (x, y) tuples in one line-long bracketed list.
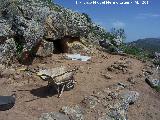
[(112, 49), (118, 33), (131, 50), (137, 52), (157, 88)]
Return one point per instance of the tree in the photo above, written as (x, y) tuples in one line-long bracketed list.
[(118, 33)]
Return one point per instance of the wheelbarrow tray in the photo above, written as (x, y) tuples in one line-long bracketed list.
[(59, 75), (61, 78)]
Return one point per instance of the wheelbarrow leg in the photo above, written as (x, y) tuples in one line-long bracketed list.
[(61, 92), (57, 87), (57, 90)]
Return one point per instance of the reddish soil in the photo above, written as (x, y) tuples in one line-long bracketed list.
[(33, 98)]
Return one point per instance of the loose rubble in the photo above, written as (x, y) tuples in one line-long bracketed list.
[(115, 109), (120, 66)]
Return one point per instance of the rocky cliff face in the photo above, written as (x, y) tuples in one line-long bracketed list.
[(32, 21)]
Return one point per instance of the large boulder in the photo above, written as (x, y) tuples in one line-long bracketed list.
[(33, 21)]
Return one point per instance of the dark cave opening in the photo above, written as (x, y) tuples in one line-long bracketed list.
[(61, 45)]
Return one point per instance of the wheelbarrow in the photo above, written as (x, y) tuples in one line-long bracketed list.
[(60, 78)]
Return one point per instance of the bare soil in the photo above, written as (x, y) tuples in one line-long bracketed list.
[(33, 97)]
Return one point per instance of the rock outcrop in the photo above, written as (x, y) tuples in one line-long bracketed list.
[(103, 105), (34, 24), (30, 22)]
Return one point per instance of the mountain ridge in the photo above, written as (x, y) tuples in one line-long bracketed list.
[(148, 44)]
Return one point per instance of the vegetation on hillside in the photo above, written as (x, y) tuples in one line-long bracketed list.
[(144, 48), (133, 49), (148, 44), (137, 52)]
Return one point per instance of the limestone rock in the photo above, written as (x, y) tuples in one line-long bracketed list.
[(45, 49), (8, 51), (53, 116), (90, 102), (33, 21), (75, 113), (153, 82), (130, 97)]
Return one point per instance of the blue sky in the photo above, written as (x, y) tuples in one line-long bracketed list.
[(138, 20)]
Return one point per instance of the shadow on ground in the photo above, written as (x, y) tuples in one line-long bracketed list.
[(44, 92)]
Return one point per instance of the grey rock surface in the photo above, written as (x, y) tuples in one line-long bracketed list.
[(74, 113), (130, 97), (54, 116), (90, 101), (33, 21), (153, 82), (8, 51)]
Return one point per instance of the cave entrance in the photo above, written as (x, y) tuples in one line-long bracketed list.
[(61, 45)]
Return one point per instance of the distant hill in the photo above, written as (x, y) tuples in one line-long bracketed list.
[(148, 44)]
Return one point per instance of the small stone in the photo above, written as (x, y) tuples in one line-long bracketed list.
[(110, 69), (131, 80), (107, 76), (2, 67)]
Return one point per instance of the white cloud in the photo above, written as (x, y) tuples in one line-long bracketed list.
[(147, 15), (118, 24), (156, 15)]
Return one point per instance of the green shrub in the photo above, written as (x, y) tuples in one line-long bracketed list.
[(137, 52), (157, 88), (112, 49), (131, 50)]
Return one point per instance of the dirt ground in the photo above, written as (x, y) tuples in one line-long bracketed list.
[(33, 98)]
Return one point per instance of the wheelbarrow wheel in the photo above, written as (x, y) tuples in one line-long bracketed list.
[(69, 85)]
